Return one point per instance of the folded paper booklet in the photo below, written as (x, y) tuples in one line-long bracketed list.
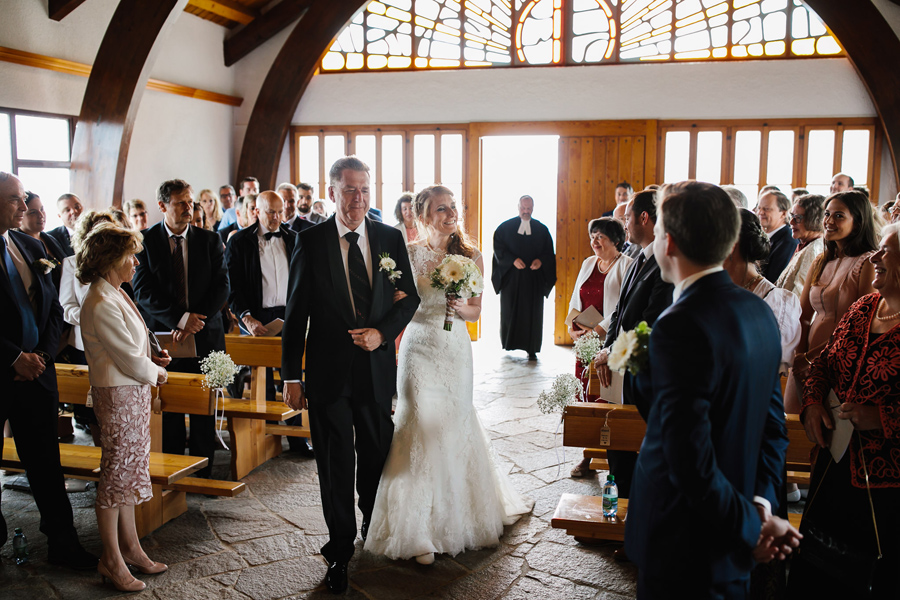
[(589, 318), (186, 348), (274, 328), (843, 429)]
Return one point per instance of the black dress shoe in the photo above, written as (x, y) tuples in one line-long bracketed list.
[(336, 578), (620, 556), (73, 557), (532, 356), (364, 530), (303, 447)]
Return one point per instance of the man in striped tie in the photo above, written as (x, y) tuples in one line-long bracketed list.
[(337, 289)]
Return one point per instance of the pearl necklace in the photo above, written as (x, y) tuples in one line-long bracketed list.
[(887, 318), (611, 263)]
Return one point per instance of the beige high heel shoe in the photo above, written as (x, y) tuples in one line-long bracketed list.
[(135, 585), (155, 568), (425, 559)]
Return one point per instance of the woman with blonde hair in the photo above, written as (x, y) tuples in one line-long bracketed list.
[(212, 209), (121, 371), (441, 490)]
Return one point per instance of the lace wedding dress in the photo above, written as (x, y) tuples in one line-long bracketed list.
[(441, 489)]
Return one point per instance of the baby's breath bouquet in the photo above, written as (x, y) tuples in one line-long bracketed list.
[(566, 389), (459, 277), (219, 370), (631, 350), (586, 348)]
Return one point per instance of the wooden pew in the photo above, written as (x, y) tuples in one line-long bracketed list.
[(183, 393), (253, 441), (581, 516)]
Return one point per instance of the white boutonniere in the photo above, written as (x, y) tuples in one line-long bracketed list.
[(44, 265), (631, 350), (389, 266)]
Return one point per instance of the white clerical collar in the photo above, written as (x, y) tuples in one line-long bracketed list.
[(776, 231), (685, 283), (525, 227)]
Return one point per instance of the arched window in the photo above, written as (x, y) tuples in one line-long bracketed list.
[(427, 34)]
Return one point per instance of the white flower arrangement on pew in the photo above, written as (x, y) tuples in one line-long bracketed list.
[(565, 390), (631, 350), (459, 277), (219, 370), (587, 347)]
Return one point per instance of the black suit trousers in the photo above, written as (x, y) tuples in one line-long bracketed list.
[(32, 412), (203, 427), (333, 422)]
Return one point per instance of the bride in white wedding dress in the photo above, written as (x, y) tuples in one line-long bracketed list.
[(441, 490)]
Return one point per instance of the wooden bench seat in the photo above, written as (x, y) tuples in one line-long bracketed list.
[(287, 430), (210, 487), (582, 517), (83, 462), (251, 409)]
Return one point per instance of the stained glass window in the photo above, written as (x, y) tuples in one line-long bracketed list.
[(424, 34)]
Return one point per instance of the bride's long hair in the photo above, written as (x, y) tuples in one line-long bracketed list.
[(459, 241)]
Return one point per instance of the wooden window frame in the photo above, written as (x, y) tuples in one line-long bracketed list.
[(17, 162), (800, 127), (351, 132)]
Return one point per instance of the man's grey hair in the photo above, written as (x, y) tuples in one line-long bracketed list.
[(286, 186), (736, 195), (342, 164)]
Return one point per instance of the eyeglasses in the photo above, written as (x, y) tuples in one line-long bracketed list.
[(798, 218)]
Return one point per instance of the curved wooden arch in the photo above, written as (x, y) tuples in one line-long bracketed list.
[(869, 41), (113, 94)]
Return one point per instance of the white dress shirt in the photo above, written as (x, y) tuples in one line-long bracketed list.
[(274, 267), (184, 249), (363, 243), (776, 231), (525, 227), (71, 297)]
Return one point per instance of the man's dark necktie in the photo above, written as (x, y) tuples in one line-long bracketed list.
[(359, 280), (635, 273), (272, 234), (30, 333), (180, 280)]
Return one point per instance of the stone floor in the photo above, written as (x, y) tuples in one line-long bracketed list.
[(265, 543)]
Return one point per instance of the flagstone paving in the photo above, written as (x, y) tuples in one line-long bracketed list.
[(265, 543)]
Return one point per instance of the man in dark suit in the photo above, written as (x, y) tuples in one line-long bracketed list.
[(289, 214), (700, 512), (29, 337), (337, 289), (258, 260), (644, 295), (773, 209), (181, 285), (69, 208)]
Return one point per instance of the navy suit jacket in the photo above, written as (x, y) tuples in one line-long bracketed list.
[(782, 249), (715, 435), (61, 235), (207, 280), (299, 225), (48, 314), (244, 273), (318, 295)]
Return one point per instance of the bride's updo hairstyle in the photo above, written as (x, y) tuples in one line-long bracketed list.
[(459, 241)]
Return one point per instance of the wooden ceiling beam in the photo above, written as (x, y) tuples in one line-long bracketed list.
[(284, 86), (113, 94), (874, 49), (227, 9), (261, 30), (58, 9)]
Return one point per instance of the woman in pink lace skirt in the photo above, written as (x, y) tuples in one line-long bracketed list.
[(121, 372)]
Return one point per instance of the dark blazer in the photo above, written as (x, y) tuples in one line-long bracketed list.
[(57, 253), (318, 295), (782, 249), (244, 273), (61, 235), (207, 284), (48, 314), (224, 233), (715, 435), (298, 224)]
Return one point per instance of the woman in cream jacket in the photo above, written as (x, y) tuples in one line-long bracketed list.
[(116, 342)]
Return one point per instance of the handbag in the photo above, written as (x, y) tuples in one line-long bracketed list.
[(156, 348), (843, 561)]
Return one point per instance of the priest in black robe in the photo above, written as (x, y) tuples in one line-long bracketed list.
[(524, 272)]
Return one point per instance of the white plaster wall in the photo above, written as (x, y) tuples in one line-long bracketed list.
[(173, 136)]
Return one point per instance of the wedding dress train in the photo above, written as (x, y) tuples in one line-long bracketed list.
[(441, 490)]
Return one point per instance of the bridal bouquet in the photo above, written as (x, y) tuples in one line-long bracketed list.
[(631, 350), (459, 277)]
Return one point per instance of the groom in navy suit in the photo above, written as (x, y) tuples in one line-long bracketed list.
[(704, 491), (337, 289), (29, 336)]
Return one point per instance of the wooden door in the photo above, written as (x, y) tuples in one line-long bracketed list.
[(590, 167)]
